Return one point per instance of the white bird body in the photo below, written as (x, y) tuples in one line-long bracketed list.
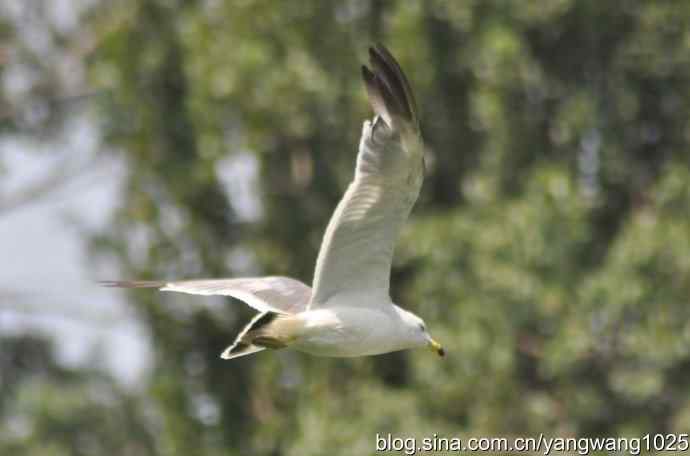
[(348, 328), (349, 311)]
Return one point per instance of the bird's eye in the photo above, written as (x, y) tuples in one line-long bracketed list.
[(421, 326)]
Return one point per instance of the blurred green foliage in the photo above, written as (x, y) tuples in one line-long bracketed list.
[(549, 251), (46, 409)]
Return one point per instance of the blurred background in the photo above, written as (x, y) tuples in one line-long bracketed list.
[(549, 251)]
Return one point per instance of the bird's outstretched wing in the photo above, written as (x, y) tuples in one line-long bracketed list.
[(265, 294), (357, 248)]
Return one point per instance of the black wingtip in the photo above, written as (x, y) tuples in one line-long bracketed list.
[(367, 75), (131, 283), (379, 97), (390, 85), (372, 52)]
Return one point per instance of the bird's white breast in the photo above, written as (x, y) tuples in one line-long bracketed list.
[(349, 330)]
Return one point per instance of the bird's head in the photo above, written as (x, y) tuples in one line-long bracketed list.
[(418, 334)]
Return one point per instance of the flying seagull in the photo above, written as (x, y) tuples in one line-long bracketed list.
[(348, 312)]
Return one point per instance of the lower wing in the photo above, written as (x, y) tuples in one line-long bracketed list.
[(265, 294), (357, 248)]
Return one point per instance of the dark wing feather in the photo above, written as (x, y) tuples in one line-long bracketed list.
[(401, 81), (132, 283), (389, 91)]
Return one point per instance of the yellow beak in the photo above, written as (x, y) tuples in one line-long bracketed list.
[(436, 347)]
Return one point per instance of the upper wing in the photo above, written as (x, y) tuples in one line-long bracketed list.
[(265, 294), (357, 248)]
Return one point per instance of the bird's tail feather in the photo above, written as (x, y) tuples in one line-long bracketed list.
[(240, 348), (254, 337)]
